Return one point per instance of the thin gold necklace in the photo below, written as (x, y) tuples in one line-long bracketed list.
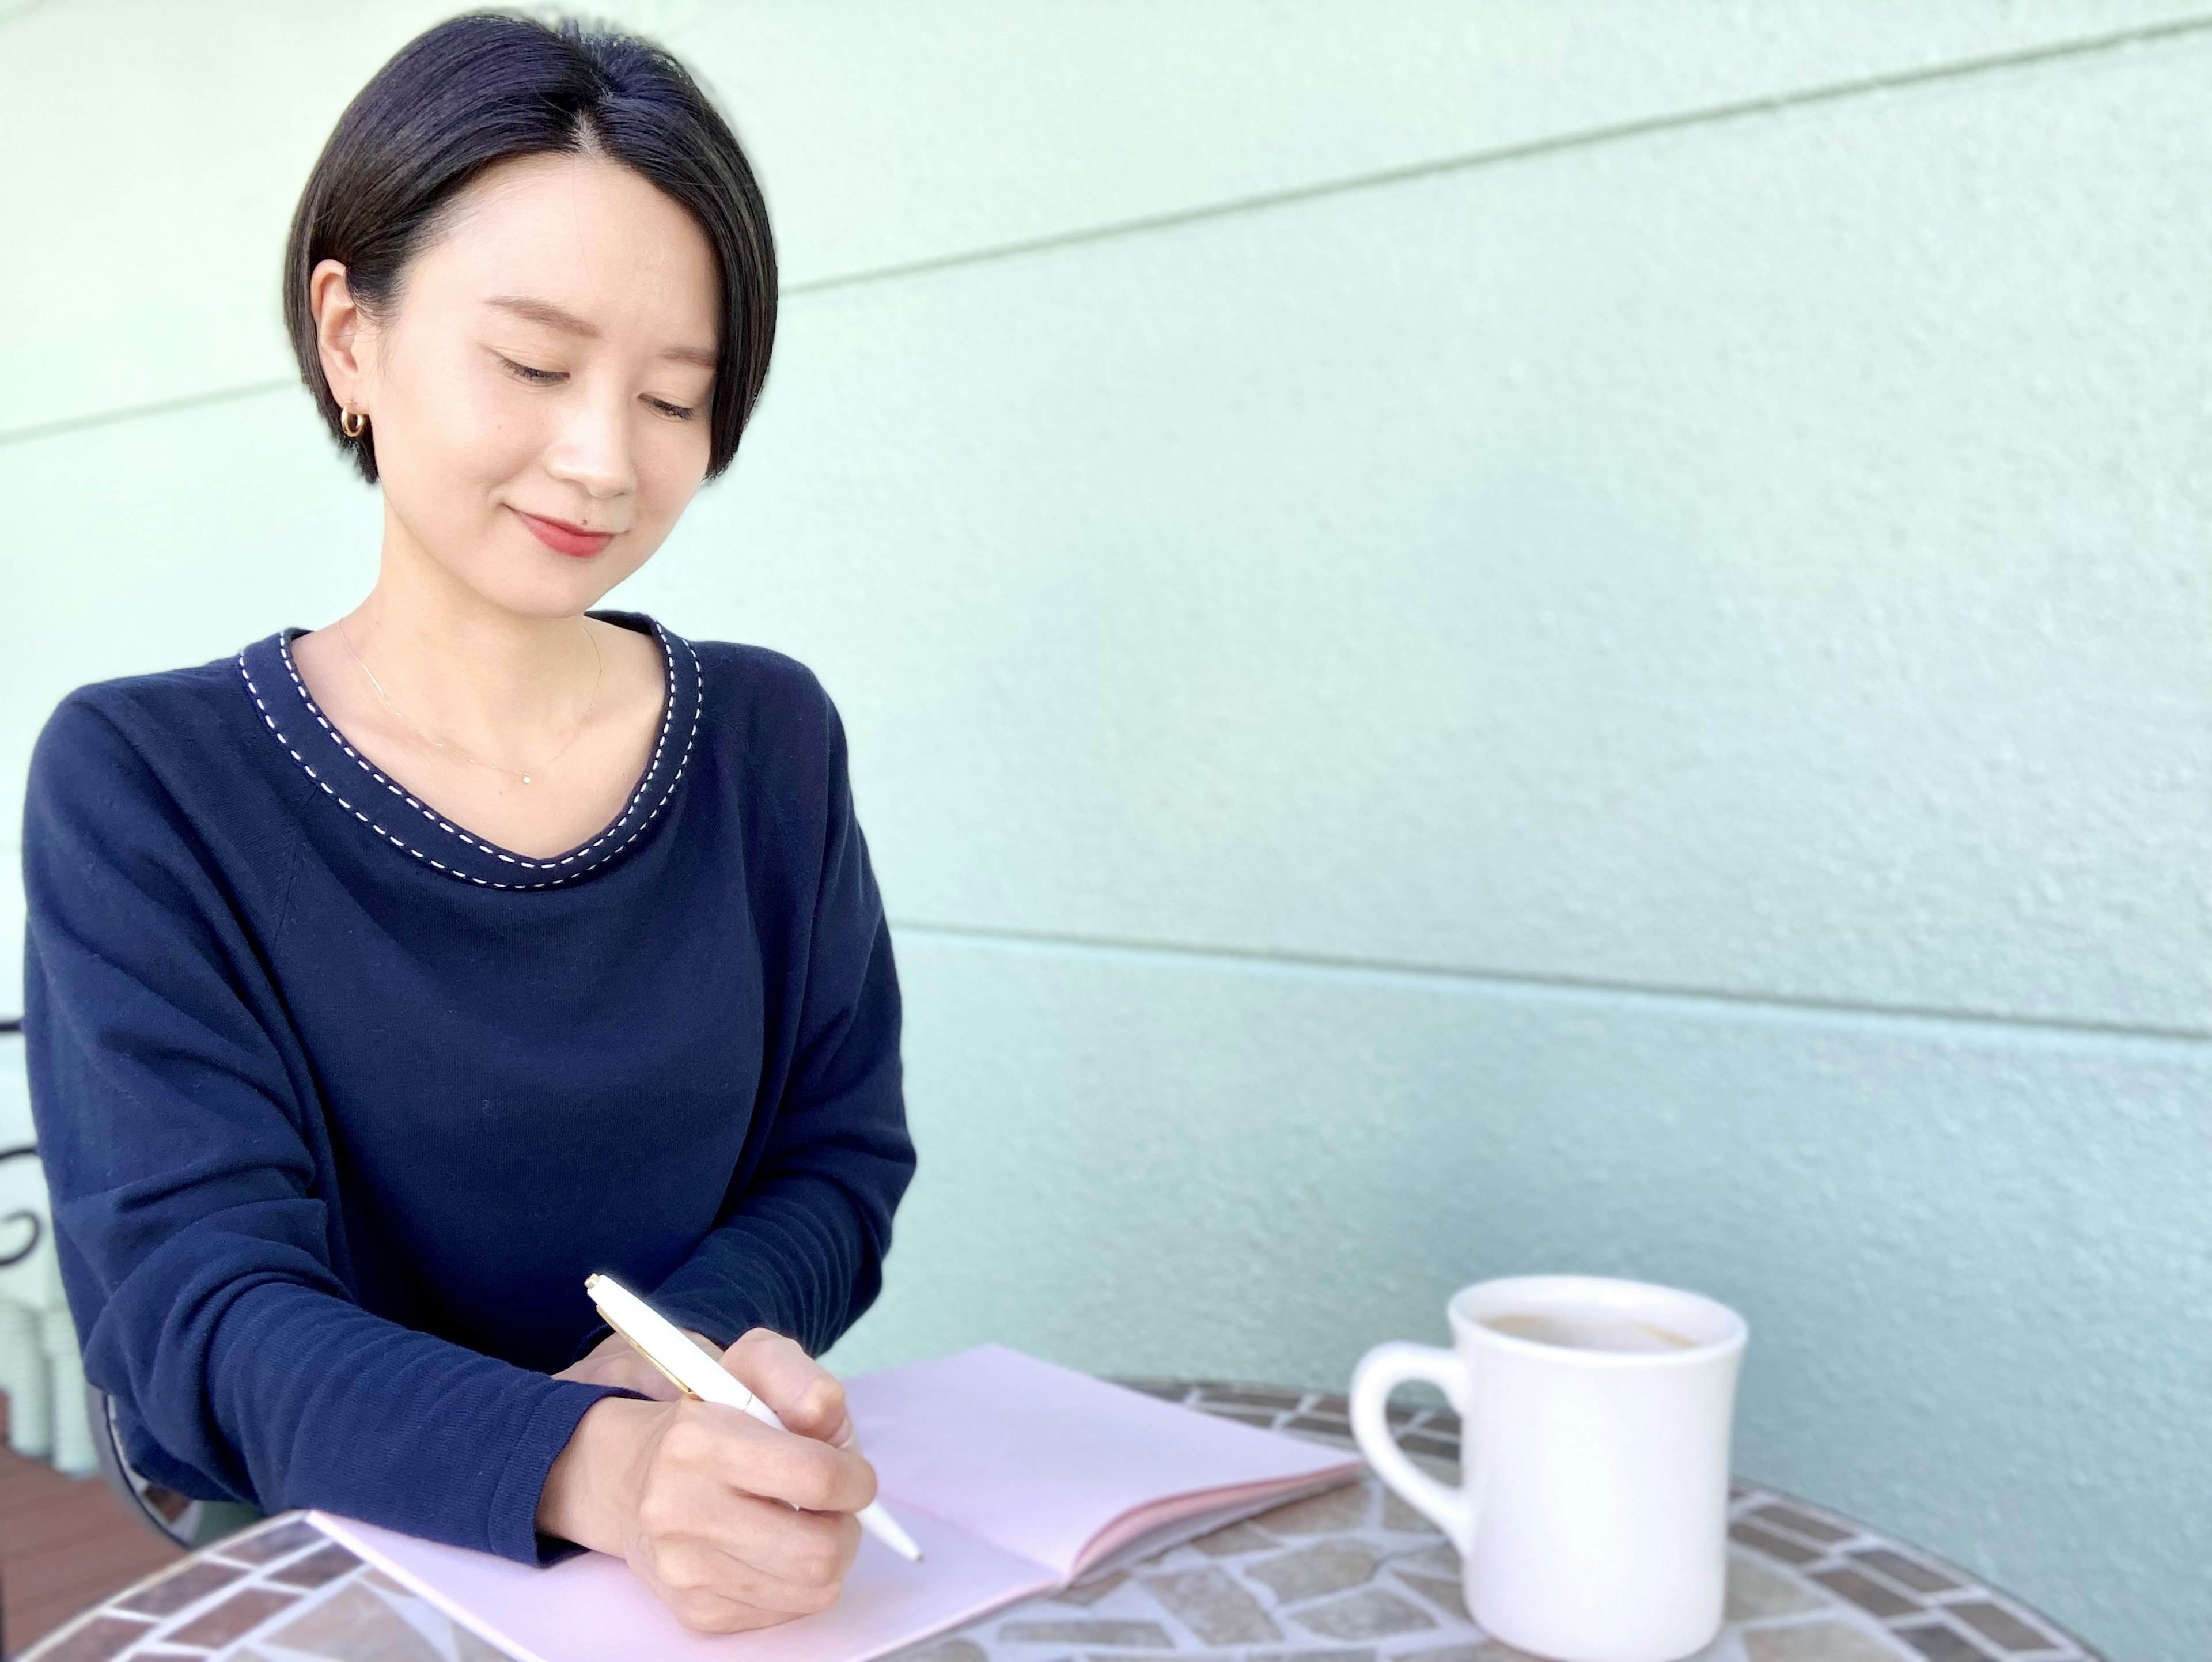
[(599, 672)]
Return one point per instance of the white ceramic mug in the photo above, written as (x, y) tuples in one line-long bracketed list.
[(1592, 1517)]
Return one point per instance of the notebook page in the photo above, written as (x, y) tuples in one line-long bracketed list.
[(591, 1607), (1041, 1461), (1138, 1534)]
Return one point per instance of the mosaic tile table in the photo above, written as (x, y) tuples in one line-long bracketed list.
[(1354, 1575)]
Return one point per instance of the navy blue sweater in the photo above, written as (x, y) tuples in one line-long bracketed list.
[(339, 1104)]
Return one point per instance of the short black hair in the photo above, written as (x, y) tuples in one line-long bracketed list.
[(481, 88)]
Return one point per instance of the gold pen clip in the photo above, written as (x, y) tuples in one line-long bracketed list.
[(629, 1339)]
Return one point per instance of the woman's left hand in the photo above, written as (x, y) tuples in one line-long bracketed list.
[(612, 1362)]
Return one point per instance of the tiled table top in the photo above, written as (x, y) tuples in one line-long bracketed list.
[(1352, 1575)]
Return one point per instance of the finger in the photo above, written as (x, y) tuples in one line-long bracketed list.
[(795, 1565), (703, 1610), (695, 1594), (780, 1553), (614, 1362), (587, 1366), (805, 1394), (621, 1363), (810, 1548), (625, 1366), (807, 1548), (738, 1451)]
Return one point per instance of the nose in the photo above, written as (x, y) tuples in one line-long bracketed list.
[(590, 448)]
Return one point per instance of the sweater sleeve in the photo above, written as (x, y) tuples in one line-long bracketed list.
[(195, 1248), (800, 1245)]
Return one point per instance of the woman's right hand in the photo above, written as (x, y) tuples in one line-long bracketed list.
[(694, 1496)]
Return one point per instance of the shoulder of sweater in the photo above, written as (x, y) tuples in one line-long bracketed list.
[(151, 712), (124, 770), (190, 696), (751, 687)]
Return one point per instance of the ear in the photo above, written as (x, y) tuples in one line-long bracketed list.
[(343, 335)]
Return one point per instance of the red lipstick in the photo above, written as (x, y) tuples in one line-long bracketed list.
[(565, 538)]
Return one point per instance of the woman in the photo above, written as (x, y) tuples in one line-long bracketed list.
[(388, 979)]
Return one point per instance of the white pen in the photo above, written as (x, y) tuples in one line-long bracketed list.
[(696, 1374)]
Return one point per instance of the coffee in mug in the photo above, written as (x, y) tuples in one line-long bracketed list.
[(1587, 1330), (1592, 1515)]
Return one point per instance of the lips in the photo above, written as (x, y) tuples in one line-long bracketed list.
[(565, 538)]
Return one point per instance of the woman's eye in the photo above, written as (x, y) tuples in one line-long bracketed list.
[(679, 412), (535, 377)]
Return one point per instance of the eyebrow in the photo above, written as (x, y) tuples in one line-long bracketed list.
[(554, 317)]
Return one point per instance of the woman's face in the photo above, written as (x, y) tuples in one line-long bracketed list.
[(537, 391)]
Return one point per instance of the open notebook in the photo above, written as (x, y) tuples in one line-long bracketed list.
[(1016, 1477)]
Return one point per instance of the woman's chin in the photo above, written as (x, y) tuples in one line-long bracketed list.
[(535, 583)]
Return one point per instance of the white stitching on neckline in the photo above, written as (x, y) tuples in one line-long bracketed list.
[(659, 743)]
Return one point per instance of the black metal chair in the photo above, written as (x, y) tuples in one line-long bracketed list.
[(22, 1214), (174, 1517)]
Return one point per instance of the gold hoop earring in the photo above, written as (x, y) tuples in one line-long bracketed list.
[(353, 423)]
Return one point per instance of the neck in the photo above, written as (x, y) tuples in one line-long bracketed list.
[(500, 685)]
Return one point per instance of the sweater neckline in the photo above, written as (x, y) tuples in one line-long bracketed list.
[(408, 825)]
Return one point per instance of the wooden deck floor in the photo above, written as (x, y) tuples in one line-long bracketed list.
[(66, 1544)]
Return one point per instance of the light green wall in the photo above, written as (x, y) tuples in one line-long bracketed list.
[(1637, 698)]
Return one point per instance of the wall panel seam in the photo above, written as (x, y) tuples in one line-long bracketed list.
[(1777, 103), (1584, 138), (130, 412), (2190, 1040)]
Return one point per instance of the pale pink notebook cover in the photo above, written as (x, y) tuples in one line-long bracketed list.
[(1016, 1477)]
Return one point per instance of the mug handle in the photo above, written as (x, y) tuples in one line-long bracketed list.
[(1381, 1371)]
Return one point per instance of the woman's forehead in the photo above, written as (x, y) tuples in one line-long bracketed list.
[(581, 236)]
